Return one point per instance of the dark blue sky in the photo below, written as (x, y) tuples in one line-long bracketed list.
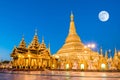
[(52, 18)]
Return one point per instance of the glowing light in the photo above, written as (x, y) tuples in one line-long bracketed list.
[(53, 65), (103, 66), (82, 66), (28, 55), (89, 45), (56, 56), (67, 66), (19, 56), (85, 46), (92, 45)]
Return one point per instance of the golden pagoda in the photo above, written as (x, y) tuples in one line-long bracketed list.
[(75, 55), (34, 57)]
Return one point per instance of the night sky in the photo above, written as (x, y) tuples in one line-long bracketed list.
[(52, 19)]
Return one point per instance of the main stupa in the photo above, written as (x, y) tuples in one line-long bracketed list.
[(73, 45), (74, 52)]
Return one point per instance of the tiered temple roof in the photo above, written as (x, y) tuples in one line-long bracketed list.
[(34, 47)]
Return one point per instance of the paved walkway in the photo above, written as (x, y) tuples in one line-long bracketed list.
[(59, 75)]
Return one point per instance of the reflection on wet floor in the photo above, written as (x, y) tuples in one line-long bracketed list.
[(59, 75)]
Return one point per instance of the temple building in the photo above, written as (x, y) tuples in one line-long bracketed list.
[(75, 55), (34, 56)]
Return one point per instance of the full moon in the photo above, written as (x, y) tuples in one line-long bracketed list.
[(103, 16)]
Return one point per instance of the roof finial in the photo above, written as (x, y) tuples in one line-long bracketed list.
[(23, 37), (72, 16), (35, 31), (101, 50), (49, 46), (42, 39), (115, 50), (106, 54)]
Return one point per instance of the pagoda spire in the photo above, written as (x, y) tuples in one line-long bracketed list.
[(106, 54), (35, 42), (42, 39), (72, 16), (36, 32), (101, 52), (49, 46), (115, 53), (72, 29), (43, 45), (72, 35), (22, 43), (22, 37)]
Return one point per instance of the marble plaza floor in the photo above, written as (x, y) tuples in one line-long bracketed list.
[(58, 75)]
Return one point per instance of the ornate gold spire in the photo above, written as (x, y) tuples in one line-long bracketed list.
[(42, 39), (73, 44), (106, 54), (72, 36), (36, 32), (35, 42), (22, 43), (72, 29), (43, 45), (115, 53), (49, 46), (101, 52), (72, 16)]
